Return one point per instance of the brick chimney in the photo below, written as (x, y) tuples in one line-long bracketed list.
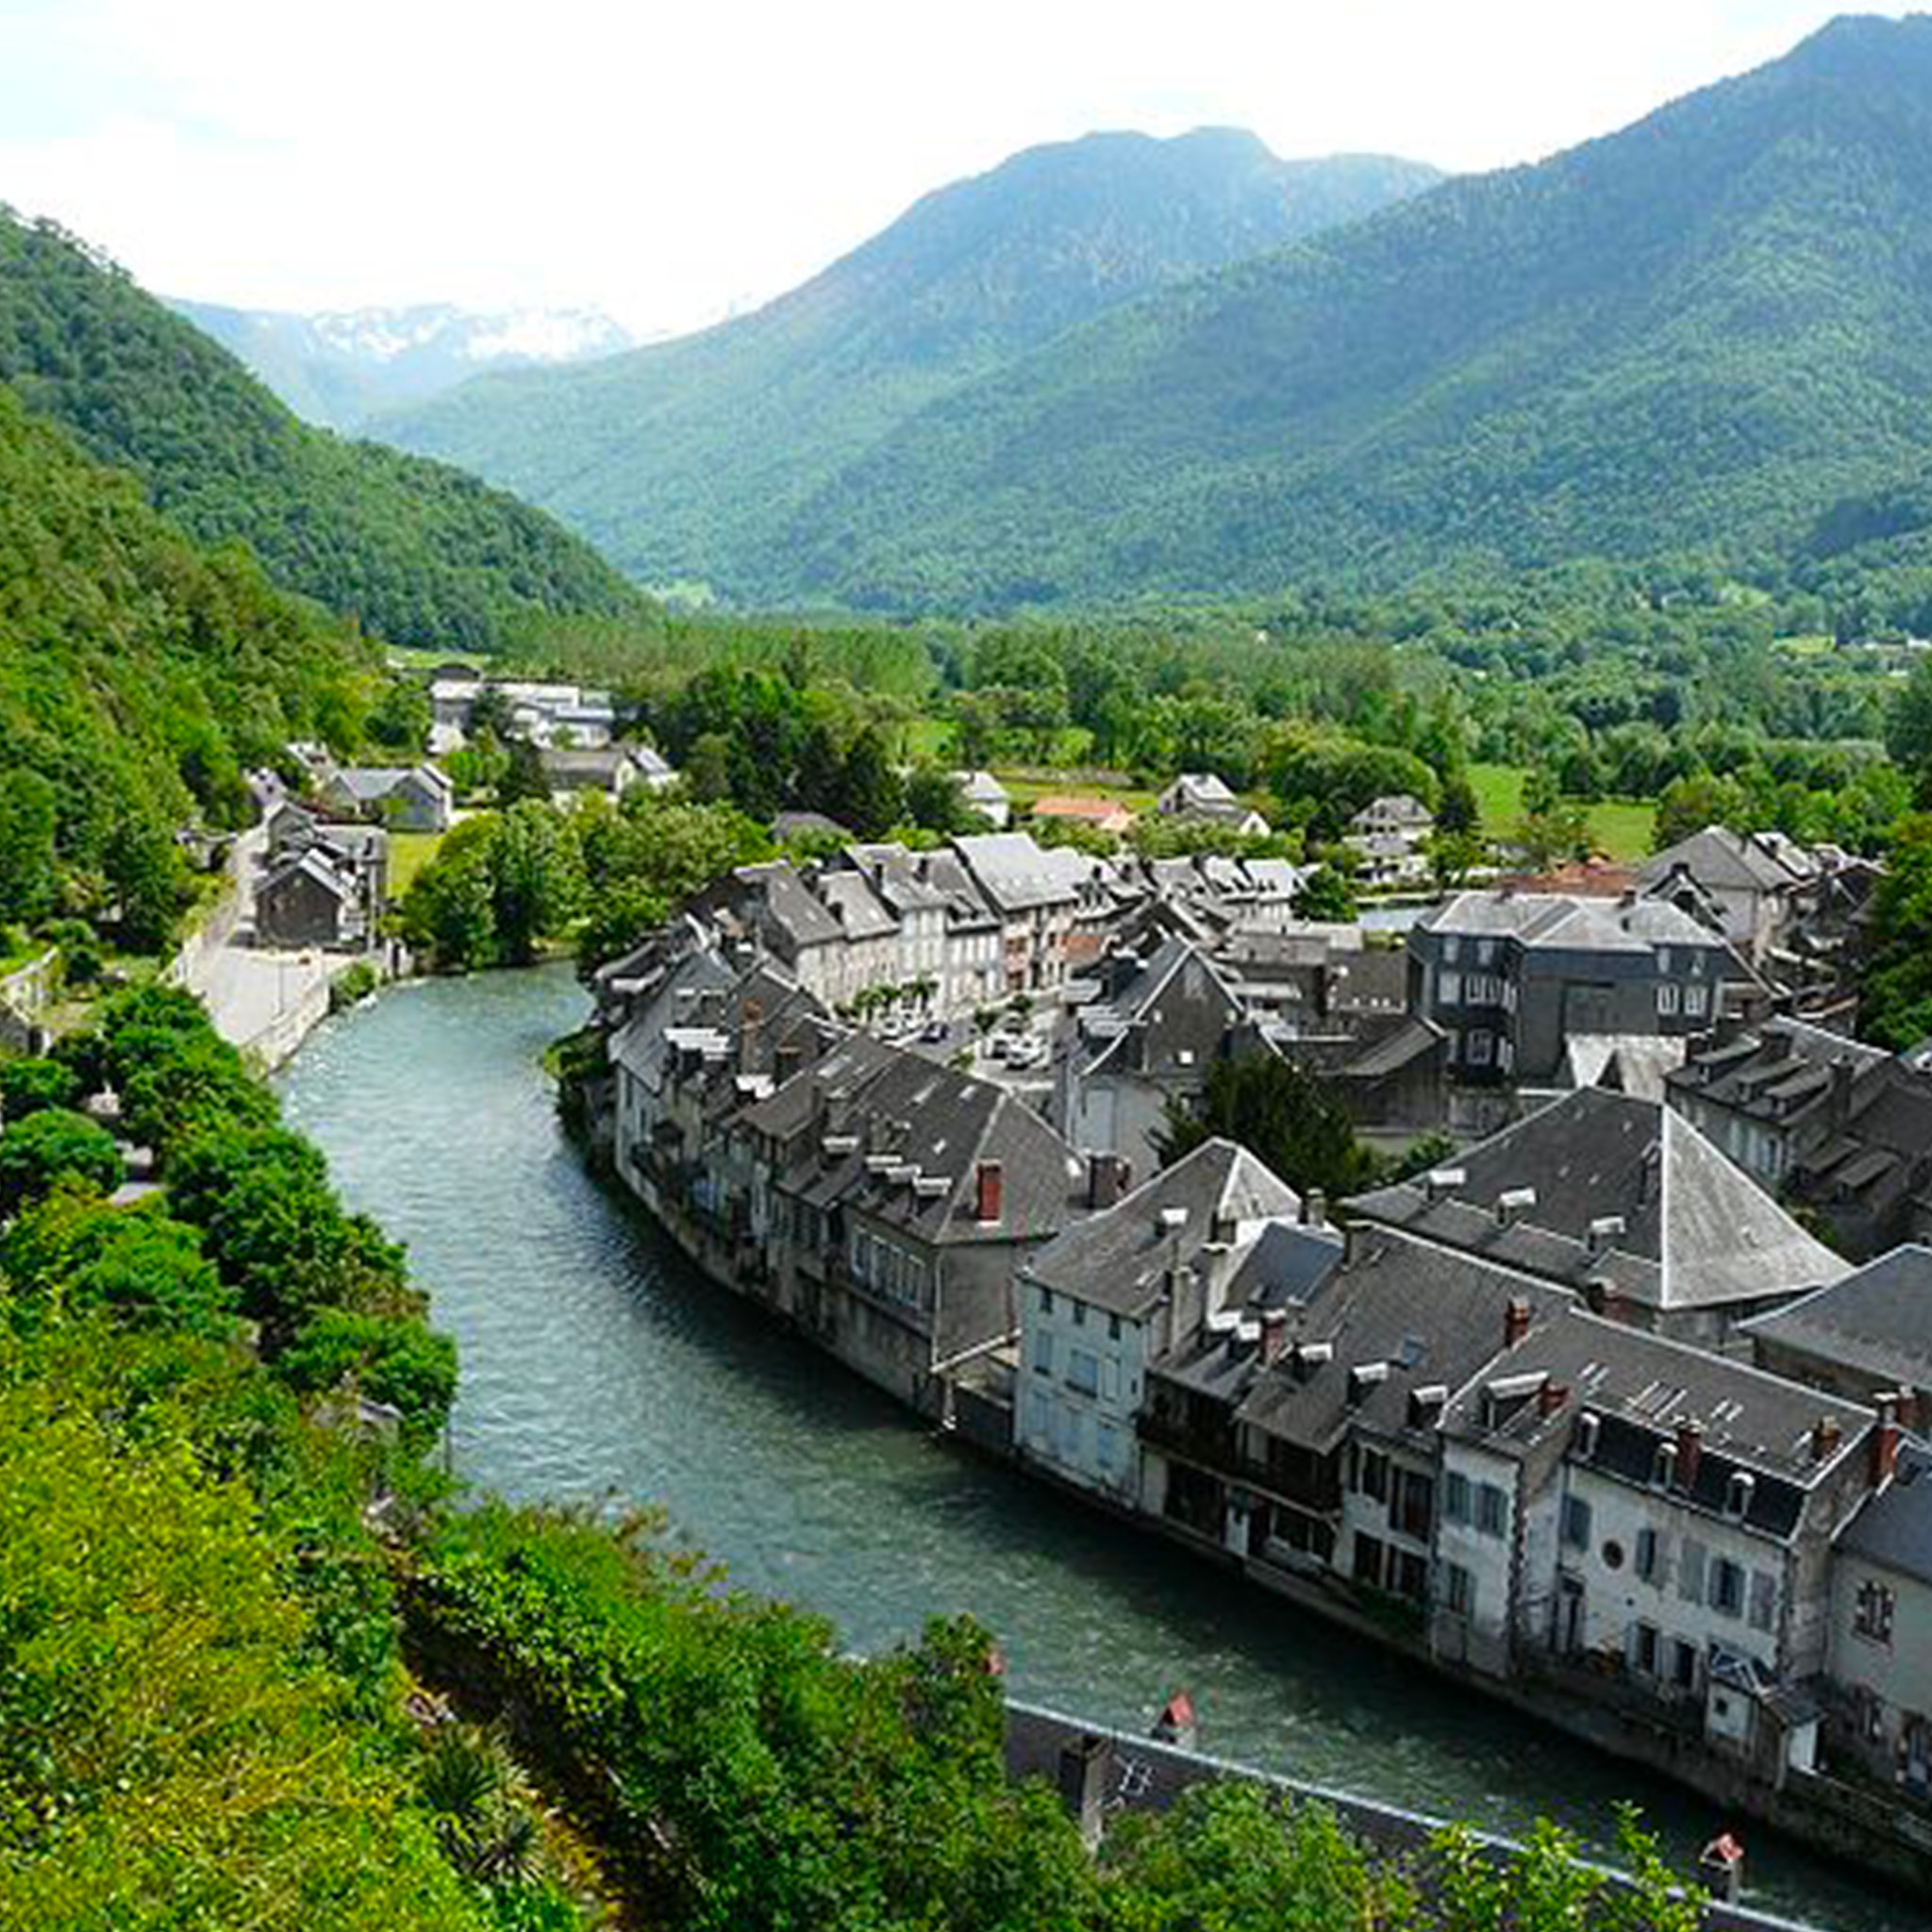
[(1273, 1336), (1825, 1438), (1105, 1180), (988, 1191), (1690, 1453), (1884, 1435), (1314, 1208), (1515, 1322), (1551, 1397)]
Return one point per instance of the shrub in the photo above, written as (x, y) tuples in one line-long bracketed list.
[(50, 1146)]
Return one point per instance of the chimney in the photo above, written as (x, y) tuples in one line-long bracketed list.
[(1273, 1336), (989, 1186), (1086, 1770), (1884, 1435), (1843, 1075), (1190, 1304), (1175, 1724), (1690, 1453), (1315, 1209), (1512, 1204), (1825, 1438), (1105, 1180), (1551, 1397), (787, 1061), (1515, 1322)]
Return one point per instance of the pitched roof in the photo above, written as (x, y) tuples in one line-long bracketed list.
[(1719, 859), (1642, 1388), (1017, 874), (1895, 1526), (1566, 922), (1695, 1231), (1118, 1259), (1877, 1319)]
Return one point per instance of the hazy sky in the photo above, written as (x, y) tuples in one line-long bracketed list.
[(668, 162)]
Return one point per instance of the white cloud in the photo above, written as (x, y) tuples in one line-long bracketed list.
[(663, 161)]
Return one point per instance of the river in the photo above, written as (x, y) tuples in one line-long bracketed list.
[(598, 1367)]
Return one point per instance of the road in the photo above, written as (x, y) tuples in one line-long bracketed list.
[(257, 997)]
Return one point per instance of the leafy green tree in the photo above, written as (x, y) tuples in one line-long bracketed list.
[(523, 777), (935, 801), (1327, 894), (50, 1146), (535, 876), (870, 797), (149, 1270), (1896, 1010), (1908, 728), (401, 718), (402, 1364), (1282, 1114), (1460, 811), (29, 826), (32, 1086), (449, 912)]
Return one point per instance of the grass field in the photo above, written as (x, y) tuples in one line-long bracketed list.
[(408, 852), (1621, 828)]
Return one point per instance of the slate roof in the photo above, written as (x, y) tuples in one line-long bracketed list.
[(1567, 922), (1641, 1388), (861, 912), (312, 863), (1895, 1526), (1720, 859), (1697, 1231), (1118, 1259), (906, 1119), (1877, 1319), (1777, 1072), (1017, 874), (784, 906), (1171, 1014), (1422, 1316)]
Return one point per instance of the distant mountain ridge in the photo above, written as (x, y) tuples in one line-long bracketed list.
[(1702, 331), (337, 368), (686, 460), (417, 552)]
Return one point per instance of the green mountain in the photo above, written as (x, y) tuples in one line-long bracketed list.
[(685, 461), (1704, 330), (418, 553), (138, 677)]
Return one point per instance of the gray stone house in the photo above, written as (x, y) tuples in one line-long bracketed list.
[(1867, 1336)]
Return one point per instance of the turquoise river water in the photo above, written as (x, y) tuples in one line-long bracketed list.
[(597, 1365)]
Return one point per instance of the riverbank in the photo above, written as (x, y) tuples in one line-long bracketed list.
[(598, 1368)]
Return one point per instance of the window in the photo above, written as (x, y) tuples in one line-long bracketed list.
[(1726, 1587), (1106, 1446), (1647, 1641), (1045, 1301), (1042, 1353), (1683, 1664), (1083, 1371), (1456, 1497), (1412, 1504), (1452, 988), (1451, 947), (1039, 1417), (1079, 1314), (1368, 1561), (1576, 1523), (1479, 1047), (1649, 1556), (1691, 1572), (1110, 1380), (1113, 1327), (1492, 1509), (1696, 1001), (1763, 1600), (1458, 1589), (1371, 1475), (1667, 998), (1872, 1618)]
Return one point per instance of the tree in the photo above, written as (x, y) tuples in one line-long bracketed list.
[(402, 1364), (32, 1086), (523, 776), (1326, 893), (935, 801), (29, 874), (54, 1145), (1459, 810), (536, 879), (869, 798), (1908, 728), (401, 719), (450, 908), (1896, 1010), (1282, 1114)]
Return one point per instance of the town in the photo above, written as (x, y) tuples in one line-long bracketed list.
[(1579, 1411)]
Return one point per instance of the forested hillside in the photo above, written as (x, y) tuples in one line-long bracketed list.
[(418, 553), (1703, 331), (685, 460), (138, 679)]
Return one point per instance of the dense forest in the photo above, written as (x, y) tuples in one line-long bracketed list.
[(685, 460), (140, 677), (415, 552), (1708, 331)]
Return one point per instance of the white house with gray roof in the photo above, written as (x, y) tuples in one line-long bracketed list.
[(1122, 1283)]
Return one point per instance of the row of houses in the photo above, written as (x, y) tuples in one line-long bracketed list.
[(1571, 1416)]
